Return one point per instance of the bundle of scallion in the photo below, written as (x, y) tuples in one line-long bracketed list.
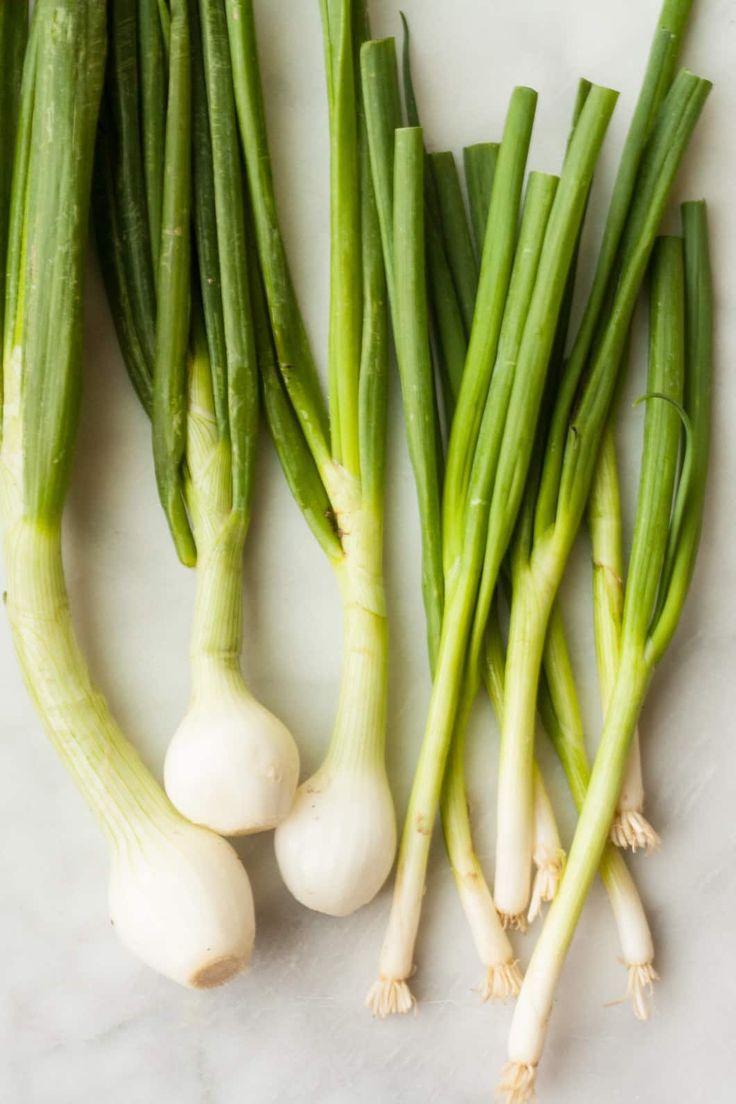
[(452, 277), (179, 897), (520, 294), (169, 161), (336, 847), (666, 536), (663, 122)]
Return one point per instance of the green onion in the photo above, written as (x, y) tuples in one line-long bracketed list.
[(668, 520), (336, 847), (189, 342), (572, 447), (425, 406), (179, 897), (464, 545)]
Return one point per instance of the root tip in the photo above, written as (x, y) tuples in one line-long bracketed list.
[(502, 981), (632, 830), (640, 988), (517, 1083), (546, 881), (515, 921), (390, 997)]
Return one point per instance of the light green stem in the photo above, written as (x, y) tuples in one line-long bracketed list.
[(535, 1000), (530, 611), (116, 785)]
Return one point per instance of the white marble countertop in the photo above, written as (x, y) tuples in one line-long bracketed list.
[(80, 1020)]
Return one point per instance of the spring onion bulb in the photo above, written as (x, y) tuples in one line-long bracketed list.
[(336, 847), (666, 534), (630, 827), (660, 131), (179, 897), (167, 156)]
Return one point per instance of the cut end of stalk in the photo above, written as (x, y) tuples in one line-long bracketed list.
[(501, 982), (218, 972), (640, 988), (517, 1083), (546, 881), (632, 830), (390, 997), (513, 921)]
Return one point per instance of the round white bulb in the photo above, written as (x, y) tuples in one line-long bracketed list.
[(337, 846), (181, 901), (232, 765)]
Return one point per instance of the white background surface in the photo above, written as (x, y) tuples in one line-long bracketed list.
[(81, 1021)]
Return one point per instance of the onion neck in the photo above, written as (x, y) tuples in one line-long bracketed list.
[(359, 735), (109, 773), (217, 627)]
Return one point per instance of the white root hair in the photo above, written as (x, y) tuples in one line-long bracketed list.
[(390, 997), (517, 1083), (501, 982), (632, 830)]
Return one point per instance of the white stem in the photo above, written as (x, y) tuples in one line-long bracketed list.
[(390, 993), (548, 855), (502, 975), (635, 937), (530, 610)]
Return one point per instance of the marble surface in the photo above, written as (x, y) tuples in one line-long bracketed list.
[(81, 1021)]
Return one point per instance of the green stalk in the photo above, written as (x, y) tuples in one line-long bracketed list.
[(673, 360), (345, 229), (495, 272), (121, 205), (391, 992), (296, 363), (456, 233), (480, 162), (229, 215), (663, 55), (630, 827), (13, 37), (536, 585), (173, 282), (152, 64)]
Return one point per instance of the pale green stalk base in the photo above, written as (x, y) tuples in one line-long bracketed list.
[(119, 789), (220, 537), (561, 715), (534, 1005), (391, 993), (359, 734), (533, 596), (630, 828)]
